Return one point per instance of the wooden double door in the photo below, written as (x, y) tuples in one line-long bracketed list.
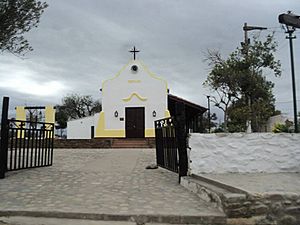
[(135, 122)]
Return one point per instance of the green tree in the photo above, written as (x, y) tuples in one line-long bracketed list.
[(61, 116), (223, 79), (75, 106), (240, 85), (206, 124), (16, 18), (262, 107)]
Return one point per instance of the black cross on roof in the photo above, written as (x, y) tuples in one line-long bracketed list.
[(134, 51)]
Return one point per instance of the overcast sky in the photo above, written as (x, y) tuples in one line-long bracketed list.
[(80, 43)]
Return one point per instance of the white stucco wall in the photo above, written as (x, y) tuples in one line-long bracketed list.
[(240, 152), (81, 128)]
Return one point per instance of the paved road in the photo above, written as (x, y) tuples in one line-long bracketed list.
[(103, 182)]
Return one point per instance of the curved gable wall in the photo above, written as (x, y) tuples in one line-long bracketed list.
[(131, 89)]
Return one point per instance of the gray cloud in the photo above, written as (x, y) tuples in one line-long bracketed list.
[(80, 43)]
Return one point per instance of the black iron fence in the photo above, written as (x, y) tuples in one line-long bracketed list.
[(29, 145), (171, 142), (166, 144), (24, 144)]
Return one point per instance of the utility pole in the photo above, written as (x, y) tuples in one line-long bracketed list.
[(291, 22), (290, 31), (245, 46), (208, 105)]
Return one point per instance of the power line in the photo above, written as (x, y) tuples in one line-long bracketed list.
[(286, 101)]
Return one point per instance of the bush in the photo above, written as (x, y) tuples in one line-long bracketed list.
[(281, 128), (288, 127)]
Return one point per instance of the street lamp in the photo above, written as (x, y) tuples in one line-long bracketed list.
[(291, 21)]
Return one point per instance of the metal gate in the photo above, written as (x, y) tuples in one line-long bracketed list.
[(171, 143), (24, 144), (166, 144)]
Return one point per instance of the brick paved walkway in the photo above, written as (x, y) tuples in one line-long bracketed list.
[(101, 181)]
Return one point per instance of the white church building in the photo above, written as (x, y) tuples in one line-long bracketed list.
[(131, 101)]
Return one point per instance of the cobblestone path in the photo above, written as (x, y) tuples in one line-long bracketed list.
[(100, 181)]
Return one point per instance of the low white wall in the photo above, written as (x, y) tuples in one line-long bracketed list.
[(81, 128), (240, 152)]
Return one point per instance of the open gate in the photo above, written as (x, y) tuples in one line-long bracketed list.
[(171, 142), (24, 144)]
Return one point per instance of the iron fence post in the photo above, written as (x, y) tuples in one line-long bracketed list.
[(181, 136), (4, 137)]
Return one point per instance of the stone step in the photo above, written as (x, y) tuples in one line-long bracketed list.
[(234, 202), (51, 218), (133, 143), (105, 143), (245, 208)]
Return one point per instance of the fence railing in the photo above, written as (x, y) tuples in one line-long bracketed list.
[(30, 144), (166, 145), (171, 142), (24, 144)]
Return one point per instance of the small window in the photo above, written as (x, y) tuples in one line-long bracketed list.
[(134, 68)]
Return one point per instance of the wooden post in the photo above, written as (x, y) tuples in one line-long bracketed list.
[(4, 137)]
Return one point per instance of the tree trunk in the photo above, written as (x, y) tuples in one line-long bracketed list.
[(225, 120)]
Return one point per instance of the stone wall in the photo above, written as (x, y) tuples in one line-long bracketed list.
[(241, 152), (243, 208), (83, 143), (105, 143)]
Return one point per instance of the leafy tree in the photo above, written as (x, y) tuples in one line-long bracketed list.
[(35, 115), (262, 107), (61, 117), (75, 106), (205, 121), (223, 80), (240, 84), (18, 17)]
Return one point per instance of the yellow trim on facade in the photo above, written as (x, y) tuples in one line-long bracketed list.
[(150, 132), (167, 113), (144, 67), (154, 75), (112, 133), (49, 114), (20, 115), (132, 95), (134, 81), (114, 77), (102, 132), (49, 118), (101, 124)]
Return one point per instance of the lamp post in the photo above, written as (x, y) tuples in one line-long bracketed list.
[(291, 21), (208, 106)]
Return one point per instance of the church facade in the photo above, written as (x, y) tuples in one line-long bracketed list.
[(131, 101)]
